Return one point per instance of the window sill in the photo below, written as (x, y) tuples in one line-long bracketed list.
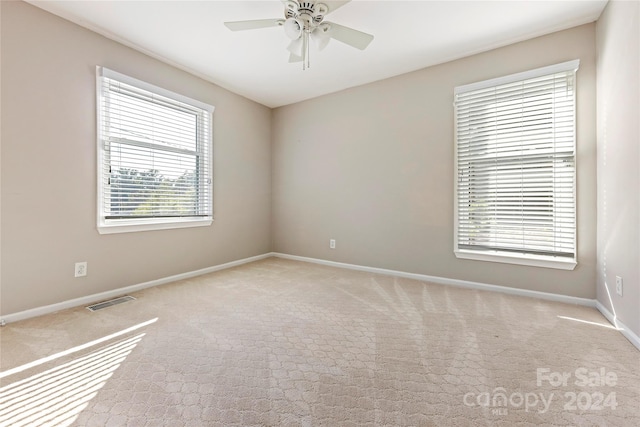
[(130, 226), (520, 259)]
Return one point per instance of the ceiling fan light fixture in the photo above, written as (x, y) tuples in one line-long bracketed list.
[(291, 5), (294, 58), (304, 20), (319, 11), (321, 43), (296, 47), (293, 28), (321, 36)]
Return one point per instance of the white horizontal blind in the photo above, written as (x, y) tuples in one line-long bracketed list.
[(156, 152), (516, 165)]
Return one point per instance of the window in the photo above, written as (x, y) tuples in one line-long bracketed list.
[(154, 157), (515, 168)]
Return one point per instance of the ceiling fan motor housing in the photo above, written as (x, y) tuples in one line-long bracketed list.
[(309, 13)]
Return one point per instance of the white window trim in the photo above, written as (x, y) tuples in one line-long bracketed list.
[(503, 256), (520, 259), (145, 224), (525, 75), (129, 226)]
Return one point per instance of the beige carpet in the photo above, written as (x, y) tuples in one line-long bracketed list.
[(284, 343)]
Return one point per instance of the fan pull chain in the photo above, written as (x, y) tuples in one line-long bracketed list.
[(305, 50)]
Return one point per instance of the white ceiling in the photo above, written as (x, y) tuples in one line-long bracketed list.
[(409, 35)]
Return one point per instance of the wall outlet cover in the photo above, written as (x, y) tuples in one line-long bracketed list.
[(619, 285), (80, 269)]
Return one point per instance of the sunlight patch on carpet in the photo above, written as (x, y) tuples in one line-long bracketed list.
[(57, 396)]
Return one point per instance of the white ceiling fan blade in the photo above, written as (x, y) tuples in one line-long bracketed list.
[(253, 25), (349, 36), (333, 5)]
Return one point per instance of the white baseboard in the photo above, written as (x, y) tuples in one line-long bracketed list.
[(445, 281), (628, 333), (90, 299)]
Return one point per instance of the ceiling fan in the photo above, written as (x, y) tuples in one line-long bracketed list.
[(304, 21)]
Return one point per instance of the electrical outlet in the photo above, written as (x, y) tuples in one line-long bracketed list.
[(332, 244), (619, 285), (81, 269)]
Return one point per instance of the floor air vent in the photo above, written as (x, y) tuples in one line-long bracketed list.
[(105, 304)]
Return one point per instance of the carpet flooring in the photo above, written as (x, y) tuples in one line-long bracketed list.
[(285, 343)]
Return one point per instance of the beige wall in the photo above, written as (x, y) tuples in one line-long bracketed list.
[(372, 167), (49, 169), (618, 47)]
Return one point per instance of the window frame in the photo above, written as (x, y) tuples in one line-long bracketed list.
[(107, 225), (501, 256)]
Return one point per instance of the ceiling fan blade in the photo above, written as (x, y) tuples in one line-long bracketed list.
[(349, 36), (333, 5), (253, 25), (294, 58)]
